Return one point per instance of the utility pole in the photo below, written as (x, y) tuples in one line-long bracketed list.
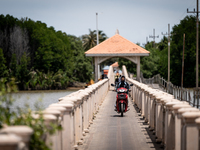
[(169, 34), (182, 67), (150, 36), (97, 32), (183, 60), (146, 40), (197, 43)]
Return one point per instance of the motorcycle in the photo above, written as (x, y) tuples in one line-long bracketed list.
[(122, 100)]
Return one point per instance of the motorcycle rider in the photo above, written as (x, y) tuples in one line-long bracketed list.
[(123, 84)]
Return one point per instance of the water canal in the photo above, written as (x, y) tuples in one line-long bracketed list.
[(40, 98)]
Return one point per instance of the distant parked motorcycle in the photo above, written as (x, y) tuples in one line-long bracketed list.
[(122, 100)]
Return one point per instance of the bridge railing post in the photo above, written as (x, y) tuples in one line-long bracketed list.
[(178, 110), (163, 119), (190, 132), (159, 118), (146, 103), (58, 112), (170, 124), (67, 123), (64, 108), (15, 137), (143, 100), (152, 110), (10, 142), (197, 121)]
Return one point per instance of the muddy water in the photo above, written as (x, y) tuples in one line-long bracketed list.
[(38, 98)]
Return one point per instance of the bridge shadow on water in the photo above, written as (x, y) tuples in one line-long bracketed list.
[(150, 136)]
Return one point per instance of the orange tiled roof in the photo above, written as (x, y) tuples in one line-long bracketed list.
[(117, 46), (115, 64)]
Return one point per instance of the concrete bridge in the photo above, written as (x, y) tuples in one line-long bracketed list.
[(156, 120)]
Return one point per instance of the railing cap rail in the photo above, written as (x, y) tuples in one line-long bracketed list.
[(188, 109), (191, 114), (9, 139), (181, 105)]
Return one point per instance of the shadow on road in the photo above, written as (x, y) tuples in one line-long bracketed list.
[(117, 116), (150, 136)]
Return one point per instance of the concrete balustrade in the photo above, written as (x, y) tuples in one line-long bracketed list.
[(173, 121), (197, 121), (10, 142), (76, 112), (179, 109), (170, 124), (190, 134), (19, 137)]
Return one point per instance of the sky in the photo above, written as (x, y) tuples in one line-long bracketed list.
[(135, 19)]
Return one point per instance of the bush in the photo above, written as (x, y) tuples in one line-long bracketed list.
[(19, 116)]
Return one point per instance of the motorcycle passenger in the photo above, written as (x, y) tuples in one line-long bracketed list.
[(116, 80), (120, 77)]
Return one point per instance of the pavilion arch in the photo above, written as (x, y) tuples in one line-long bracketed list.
[(132, 59), (116, 46)]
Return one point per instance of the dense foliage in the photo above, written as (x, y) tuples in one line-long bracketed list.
[(40, 57), (157, 62)]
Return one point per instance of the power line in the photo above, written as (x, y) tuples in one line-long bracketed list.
[(153, 36), (169, 34)]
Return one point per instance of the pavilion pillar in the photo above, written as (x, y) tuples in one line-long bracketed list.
[(138, 68), (96, 68)]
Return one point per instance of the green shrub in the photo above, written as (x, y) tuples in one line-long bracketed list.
[(23, 116)]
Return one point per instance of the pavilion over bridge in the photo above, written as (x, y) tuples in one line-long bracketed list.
[(117, 46)]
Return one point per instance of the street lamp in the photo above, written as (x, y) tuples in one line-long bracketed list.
[(97, 32)]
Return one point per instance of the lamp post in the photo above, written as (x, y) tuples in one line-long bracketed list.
[(96, 64), (97, 32)]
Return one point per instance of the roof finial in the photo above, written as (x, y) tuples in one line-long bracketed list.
[(117, 31)]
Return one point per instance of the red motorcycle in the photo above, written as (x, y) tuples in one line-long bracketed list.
[(122, 100)]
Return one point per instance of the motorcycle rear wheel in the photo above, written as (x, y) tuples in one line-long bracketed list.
[(122, 109)]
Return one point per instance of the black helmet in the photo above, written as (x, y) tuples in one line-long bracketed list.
[(123, 77)]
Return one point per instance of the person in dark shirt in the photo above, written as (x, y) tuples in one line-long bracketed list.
[(116, 80), (123, 83)]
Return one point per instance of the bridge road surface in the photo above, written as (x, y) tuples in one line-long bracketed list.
[(110, 131)]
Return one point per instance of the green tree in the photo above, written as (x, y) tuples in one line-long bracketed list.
[(3, 68), (13, 66), (149, 64), (90, 40), (23, 72), (187, 26), (130, 66), (83, 68)]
